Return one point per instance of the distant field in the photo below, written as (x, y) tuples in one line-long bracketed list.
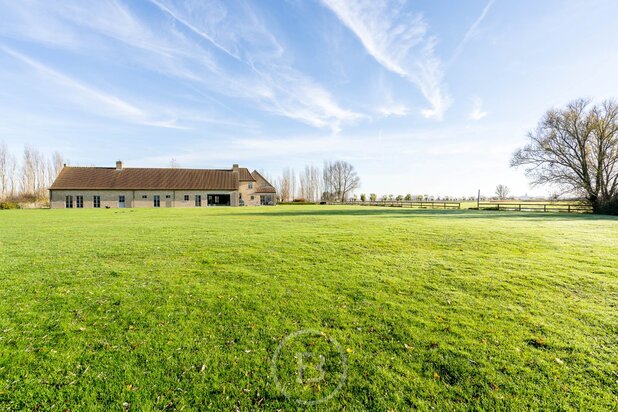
[(172, 309)]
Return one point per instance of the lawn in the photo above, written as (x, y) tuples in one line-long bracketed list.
[(363, 308)]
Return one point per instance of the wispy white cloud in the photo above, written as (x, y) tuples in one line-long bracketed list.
[(224, 53), (477, 112), (267, 76), (177, 15), (400, 42), (394, 110), (472, 32), (90, 98)]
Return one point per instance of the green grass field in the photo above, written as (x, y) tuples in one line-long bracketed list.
[(186, 309)]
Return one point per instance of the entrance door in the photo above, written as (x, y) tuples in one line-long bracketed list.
[(218, 200), (121, 202), (156, 199), (198, 200)]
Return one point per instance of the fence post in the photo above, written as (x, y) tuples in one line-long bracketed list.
[(545, 208), (568, 208)]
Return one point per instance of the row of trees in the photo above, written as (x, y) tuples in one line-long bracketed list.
[(335, 181), (29, 178), (426, 198)]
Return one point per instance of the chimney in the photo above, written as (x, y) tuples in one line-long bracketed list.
[(235, 167), (119, 165)]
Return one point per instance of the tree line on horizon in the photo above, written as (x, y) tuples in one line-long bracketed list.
[(334, 182), (26, 180)]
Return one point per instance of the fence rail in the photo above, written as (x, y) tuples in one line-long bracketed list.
[(502, 206), (537, 207), (403, 203)]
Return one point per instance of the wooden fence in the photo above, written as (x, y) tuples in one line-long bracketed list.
[(537, 207), (403, 203), (501, 206)]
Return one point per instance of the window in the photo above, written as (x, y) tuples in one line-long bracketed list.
[(198, 200), (266, 200), (252, 197), (186, 198), (68, 202), (96, 201), (79, 202), (144, 197), (250, 185), (156, 201), (168, 196)]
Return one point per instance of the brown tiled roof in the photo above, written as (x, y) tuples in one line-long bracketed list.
[(263, 186), (245, 175), (145, 178)]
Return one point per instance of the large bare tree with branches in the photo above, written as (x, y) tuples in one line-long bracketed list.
[(340, 179), (575, 149)]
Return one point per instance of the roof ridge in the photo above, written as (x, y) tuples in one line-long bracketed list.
[(146, 168)]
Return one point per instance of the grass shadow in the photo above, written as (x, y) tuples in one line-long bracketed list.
[(324, 211)]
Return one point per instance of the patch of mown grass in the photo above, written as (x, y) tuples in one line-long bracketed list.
[(166, 309)]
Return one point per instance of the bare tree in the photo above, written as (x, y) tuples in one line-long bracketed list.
[(315, 183), (33, 173), (576, 150), (292, 180), (28, 172), (309, 183), (327, 182), (5, 177), (304, 181), (58, 163), (12, 178), (285, 185), (502, 191), (341, 178)]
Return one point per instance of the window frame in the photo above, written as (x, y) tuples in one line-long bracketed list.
[(79, 202), (96, 201)]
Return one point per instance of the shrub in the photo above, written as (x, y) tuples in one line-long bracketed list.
[(9, 205), (609, 207), (299, 200), (363, 197)]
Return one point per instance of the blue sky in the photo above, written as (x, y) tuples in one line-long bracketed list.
[(425, 96)]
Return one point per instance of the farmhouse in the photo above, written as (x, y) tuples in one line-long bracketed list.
[(120, 187)]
